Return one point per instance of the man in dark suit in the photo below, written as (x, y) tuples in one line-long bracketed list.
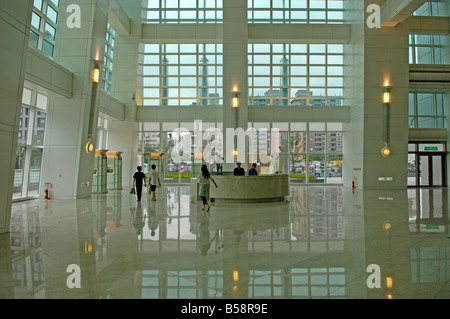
[(239, 171)]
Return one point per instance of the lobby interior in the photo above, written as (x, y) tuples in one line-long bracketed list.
[(348, 107)]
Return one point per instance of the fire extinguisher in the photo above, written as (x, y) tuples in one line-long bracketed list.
[(46, 195), (353, 184)]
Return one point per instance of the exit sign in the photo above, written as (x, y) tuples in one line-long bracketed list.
[(431, 148)]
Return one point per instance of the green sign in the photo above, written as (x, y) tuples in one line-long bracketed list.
[(431, 148)]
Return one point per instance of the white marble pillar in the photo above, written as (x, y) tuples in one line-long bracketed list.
[(15, 17), (72, 121), (235, 76)]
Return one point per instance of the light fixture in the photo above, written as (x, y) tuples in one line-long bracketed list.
[(386, 96), (235, 100), (235, 275), (235, 153), (386, 151), (389, 282), (89, 146), (96, 74)]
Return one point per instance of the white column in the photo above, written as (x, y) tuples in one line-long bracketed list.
[(66, 164), (15, 17), (235, 74)]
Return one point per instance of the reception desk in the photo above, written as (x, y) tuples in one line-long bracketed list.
[(266, 188)]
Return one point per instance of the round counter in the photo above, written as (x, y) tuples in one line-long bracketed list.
[(266, 188)]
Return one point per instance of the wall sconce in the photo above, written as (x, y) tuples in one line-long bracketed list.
[(235, 99), (235, 153), (389, 282), (235, 275), (96, 74), (89, 146)]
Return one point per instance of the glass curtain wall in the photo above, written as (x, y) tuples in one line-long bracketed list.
[(33, 117), (183, 75), (296, 11), (296, 74)]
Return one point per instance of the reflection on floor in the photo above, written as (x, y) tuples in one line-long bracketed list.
[(319, 244)]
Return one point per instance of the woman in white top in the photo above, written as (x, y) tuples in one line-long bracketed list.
[(204, 178)]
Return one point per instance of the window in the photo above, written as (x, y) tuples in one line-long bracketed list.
[(296, 11), (315, 153), (110, 46), (33, 118), (43, 25), (184, 11), (183, 74), (431, 8), (426, 48), (426, 110), (295, 74)]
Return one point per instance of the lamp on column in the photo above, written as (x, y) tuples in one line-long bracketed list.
[(95, 79), (386, 151), (235, 99)]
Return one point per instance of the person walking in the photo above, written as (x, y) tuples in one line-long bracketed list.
[(152, 180), (204, 180), (138, 180)]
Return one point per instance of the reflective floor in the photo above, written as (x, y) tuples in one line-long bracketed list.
[(325, 242)]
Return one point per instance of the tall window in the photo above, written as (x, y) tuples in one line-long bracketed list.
[(108, 59), (102, 133), (184, 11), (32, 122), (43, 25), (426, 48), (296, 11), (432, 8), (315, 152), (426, 110), (183, 74), (295, 74)]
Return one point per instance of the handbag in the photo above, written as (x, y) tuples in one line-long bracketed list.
[(133, 190)]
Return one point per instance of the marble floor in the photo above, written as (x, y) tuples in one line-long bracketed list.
[(324, 242)]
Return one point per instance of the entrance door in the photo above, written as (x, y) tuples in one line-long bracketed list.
[(431, 171)]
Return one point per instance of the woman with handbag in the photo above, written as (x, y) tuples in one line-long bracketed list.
[(204, 180)]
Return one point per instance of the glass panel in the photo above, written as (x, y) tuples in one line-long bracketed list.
[(36, 20), (334, 169), (424, 171), (34, 39), (18, 172), (35, 172), (412, 169), (437, 170), (298, 168), (39, 128), (23, 125), (52, 14), (316, 168)]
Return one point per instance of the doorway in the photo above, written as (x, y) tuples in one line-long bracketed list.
[(426, 165)]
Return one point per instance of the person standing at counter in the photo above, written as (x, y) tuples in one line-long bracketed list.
[(239, 171), (252, 171), (204, 180)]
